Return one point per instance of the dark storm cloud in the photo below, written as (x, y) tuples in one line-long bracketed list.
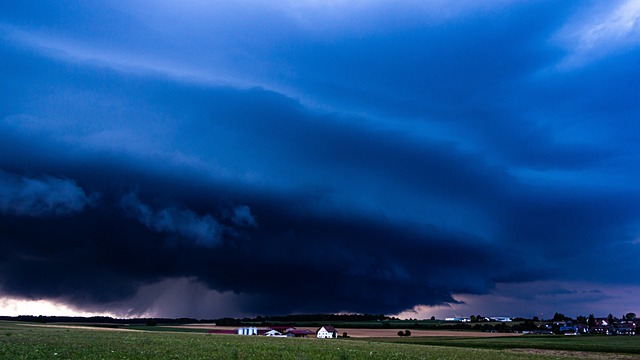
[(103, 255), (300, 162)]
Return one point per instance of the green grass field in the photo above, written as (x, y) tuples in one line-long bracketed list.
[(589, 343), (19, 341)]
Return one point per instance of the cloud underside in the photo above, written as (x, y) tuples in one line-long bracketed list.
[(283, 161)]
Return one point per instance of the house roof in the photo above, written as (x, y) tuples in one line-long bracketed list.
[(329, 328), (281, 327)]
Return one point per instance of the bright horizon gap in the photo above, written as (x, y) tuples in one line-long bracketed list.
[(14, 307), (42, 307)]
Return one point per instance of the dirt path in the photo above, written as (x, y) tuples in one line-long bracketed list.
[(78, 327)]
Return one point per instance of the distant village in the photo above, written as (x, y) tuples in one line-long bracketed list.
[(560, 324), (322, 326)]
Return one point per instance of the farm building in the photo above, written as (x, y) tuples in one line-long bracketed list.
[(299, 333), (458, 319), (327, 332), (282, 328), (270, 332), (501, 318), (247, 331)]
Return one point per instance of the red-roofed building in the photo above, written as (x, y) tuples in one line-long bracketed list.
[(282, 328), (299, 333)]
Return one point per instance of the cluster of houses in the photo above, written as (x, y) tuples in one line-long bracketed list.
[(491, 318), (324, 332), (602, 326)]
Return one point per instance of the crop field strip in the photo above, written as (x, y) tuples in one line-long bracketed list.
[(588, 343), (18, 341)]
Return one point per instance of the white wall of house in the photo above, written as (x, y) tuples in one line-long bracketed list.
[(324, 334)]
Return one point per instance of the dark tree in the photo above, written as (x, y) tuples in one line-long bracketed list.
[(400, 333), (407, 333), (528, 325), (630, 316), (433, 317), (591, 320), (558, 317)]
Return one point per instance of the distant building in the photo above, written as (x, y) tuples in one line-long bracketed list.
[(327, 332), (272, 332), (458, 319), (626, 328), (299, 333), (247, 331), (500, 318), (282, 328)]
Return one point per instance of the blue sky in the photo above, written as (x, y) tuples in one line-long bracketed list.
[(208, 159)]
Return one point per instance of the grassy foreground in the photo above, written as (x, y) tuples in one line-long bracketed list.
[(19, 341), (585, 343)]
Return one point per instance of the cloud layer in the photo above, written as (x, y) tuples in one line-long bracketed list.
[(354, 156)]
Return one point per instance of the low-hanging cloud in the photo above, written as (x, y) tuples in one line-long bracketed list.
[(39, 197), (204, 230), (242, 216)]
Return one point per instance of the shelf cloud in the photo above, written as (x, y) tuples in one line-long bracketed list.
[(287, 157)]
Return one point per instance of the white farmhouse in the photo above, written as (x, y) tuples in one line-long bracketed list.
[(327, 332)]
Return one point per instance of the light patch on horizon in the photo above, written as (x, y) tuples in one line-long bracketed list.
[(15, 307), (540, 298)]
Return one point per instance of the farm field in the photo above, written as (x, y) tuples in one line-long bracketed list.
[(359, 332), (585, 343), (18, 341)]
